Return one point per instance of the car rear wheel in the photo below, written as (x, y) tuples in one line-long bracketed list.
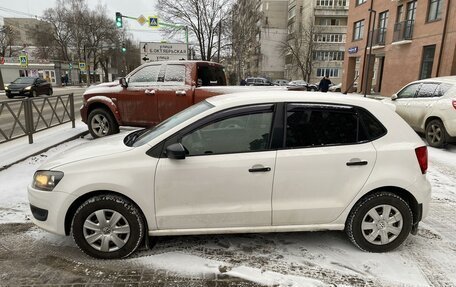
[(436, 134), (108, 227), (380, 222), (102, 123)]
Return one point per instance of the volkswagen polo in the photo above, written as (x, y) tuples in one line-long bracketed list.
[(240, 163)]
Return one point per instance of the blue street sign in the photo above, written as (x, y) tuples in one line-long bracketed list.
[(353, 50), (153, 21)]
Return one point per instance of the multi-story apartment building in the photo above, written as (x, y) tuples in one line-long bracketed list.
[(411, 40), (324, 24), (259, 30)]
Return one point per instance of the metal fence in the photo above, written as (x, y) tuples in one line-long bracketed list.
[(25, 117)]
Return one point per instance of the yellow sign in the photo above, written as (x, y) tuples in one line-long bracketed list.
[(141, 20), (23, 60), (82, 66)]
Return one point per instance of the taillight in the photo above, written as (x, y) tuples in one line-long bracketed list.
[(454, 104), (422, 156)]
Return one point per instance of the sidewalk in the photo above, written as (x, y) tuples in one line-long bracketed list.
[(19, 149)]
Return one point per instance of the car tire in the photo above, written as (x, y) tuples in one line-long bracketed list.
[(96, 236), (436, 134), (33, 94), (9, 96), (370, 230), (50, 92), (102, 123)]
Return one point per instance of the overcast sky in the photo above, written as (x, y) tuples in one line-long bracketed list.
[(133, 8)]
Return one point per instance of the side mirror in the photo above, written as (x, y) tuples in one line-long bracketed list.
[(175, 151), (394, 97), (123, 82)]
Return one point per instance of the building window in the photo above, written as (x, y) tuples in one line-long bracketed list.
[(359, 2), (330, 72), (358, 30), (328, 55), (427, 62), (382, 25), (329, 22), (400, 11), (435, 10), (330, 38)]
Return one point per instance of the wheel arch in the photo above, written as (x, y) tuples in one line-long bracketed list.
[(402, 193), (103, 103), (81, 199)]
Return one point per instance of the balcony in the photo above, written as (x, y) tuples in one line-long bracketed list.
[(378, 37), (403, 31)]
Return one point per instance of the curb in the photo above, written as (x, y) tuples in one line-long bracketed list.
[(80, 135)]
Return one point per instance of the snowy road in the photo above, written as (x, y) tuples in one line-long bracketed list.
[(30, 256)]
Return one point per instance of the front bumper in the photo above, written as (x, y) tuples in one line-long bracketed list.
[(17, 93), (54, 205), (83, 111)]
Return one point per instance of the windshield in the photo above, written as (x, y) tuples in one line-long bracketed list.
[(24, 81), (172, 122)]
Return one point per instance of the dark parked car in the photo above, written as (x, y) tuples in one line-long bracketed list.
[(28, 86), (301, 85)]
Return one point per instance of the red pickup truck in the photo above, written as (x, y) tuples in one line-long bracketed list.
[(150, 94)]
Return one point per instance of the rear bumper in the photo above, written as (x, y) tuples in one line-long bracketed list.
[(450, 126)]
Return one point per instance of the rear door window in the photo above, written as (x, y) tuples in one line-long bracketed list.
[(313, 125), (443, 88), (428, 90), (211, 76), (174, 75)]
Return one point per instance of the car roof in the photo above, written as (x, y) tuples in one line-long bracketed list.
[(447, 79), (249, 98)]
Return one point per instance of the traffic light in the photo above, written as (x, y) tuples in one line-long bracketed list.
[(123, 49), (119, 23)]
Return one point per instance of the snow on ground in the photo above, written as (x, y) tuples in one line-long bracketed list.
[(283, 259)]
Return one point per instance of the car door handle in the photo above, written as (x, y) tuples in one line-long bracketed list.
[(150, 92), (358, 162), (181, 93), (259, 169)]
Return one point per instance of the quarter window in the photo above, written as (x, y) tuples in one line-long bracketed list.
[(237, 134)]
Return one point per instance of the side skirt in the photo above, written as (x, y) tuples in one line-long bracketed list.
[(261, 229)]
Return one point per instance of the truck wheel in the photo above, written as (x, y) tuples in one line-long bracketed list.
[(380, 222), (102, 123), (436, 134), (108, 227)]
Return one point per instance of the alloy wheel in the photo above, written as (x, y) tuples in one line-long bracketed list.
[(434, 134), (100, 125)]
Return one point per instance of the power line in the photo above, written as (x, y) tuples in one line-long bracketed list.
[(8, 10)]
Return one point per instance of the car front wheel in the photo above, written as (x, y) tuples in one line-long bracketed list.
[(108, 227), (380, 222), (102, 123), (436, 134)]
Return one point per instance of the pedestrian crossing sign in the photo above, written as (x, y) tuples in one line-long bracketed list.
[(153, 22), (82, 66), (23, 60)]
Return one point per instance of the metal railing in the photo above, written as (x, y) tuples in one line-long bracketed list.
[(378, 37), (25, 117), (403, 30)]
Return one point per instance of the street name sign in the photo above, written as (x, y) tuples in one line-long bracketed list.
[(153, 52)]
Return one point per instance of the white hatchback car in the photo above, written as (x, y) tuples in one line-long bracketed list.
[(429, 107), (250, 162)]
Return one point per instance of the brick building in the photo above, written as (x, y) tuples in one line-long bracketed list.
[(411, 40)]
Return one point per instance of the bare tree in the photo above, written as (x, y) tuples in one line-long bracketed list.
[(202, 17), (7, 38), (245, 17), (300, 47)]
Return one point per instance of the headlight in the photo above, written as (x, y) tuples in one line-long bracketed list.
[(28, 88), (46, 179), (6, 88)]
